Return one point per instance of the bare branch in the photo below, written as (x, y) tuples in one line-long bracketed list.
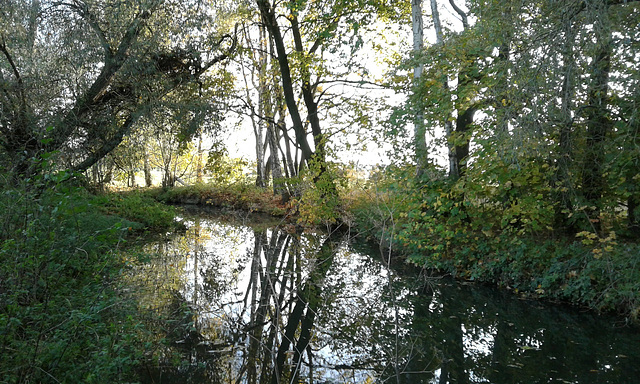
[(14, 68), (353, 82), (222, 56), (461, 13), (22, 103)]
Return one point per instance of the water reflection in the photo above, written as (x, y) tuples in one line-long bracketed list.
[(268, 305)]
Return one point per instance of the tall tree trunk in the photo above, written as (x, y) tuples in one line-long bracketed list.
[(465, 111), (279, 188), (270, 21), (463, 138), (292, 166), (132, 178), (448, 126), (199, 171), (598, 123), (562, 175), (147, 168), (419, 129), (264, 107), (33, 23), (322, 177)]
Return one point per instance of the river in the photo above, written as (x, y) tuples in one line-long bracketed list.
[(250, 301)]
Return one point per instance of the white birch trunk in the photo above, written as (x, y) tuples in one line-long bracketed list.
[(419, 131)]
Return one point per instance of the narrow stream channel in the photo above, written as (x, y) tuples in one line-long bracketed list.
[(266, 305)]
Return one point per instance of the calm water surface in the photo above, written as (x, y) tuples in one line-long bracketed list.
[(257, 303)]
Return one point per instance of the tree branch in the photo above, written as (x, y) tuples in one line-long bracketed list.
[(222, 56), (83, 10), (354, 82), (110, 145), (14, 68), (91, 98), (461, 13)]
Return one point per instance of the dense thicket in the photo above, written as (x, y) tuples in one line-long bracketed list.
[(64, 316)]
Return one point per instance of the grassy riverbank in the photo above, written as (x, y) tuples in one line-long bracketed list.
[(238, 196), (63, 315)]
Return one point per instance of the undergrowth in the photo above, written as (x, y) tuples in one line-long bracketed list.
[(139, 207), (63, 318)]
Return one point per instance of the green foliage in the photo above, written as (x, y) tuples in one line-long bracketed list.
[(143, 55), (376, 208), (224, 169), (61, 317), (496, 227), (139, 207), (510, 195), (320, 188)]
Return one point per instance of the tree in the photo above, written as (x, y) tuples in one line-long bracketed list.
[(598, 122), (76, 76), (315, 31), (463, 98), (261, 86), (553, 145)]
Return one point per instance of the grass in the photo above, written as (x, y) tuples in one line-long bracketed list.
[(137, 206), (238, 196)]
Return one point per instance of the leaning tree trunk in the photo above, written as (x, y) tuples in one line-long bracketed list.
[(271, 23)]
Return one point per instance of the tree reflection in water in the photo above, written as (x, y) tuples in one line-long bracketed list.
[(268, 305)]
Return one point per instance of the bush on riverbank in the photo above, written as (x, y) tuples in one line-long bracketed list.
[(445, 227), (62, 317)]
